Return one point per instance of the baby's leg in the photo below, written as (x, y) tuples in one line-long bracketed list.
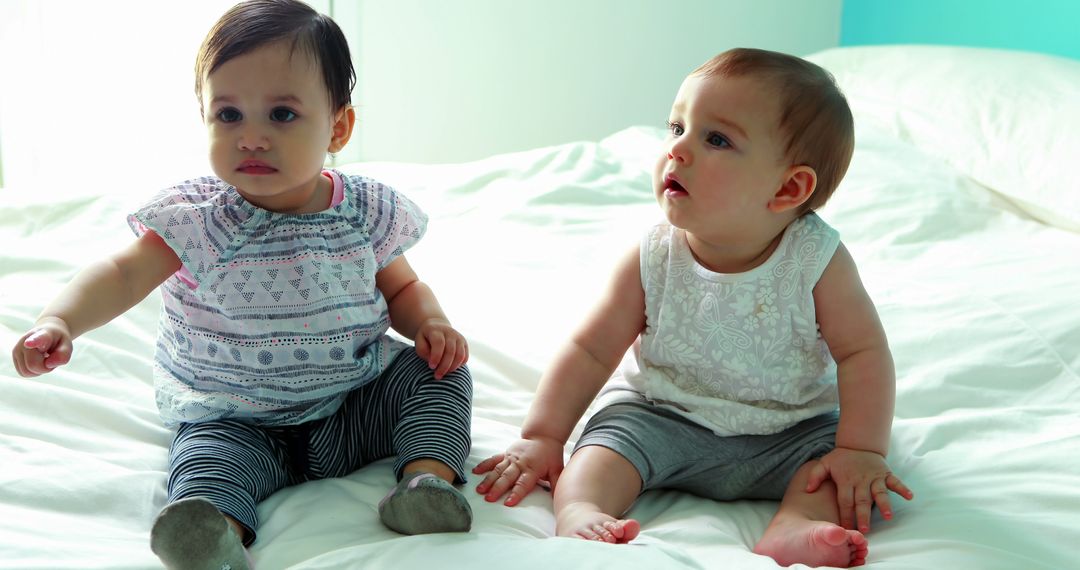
[(426, 423), (218, 472), (804, 529), (597, 486), (193, 534)]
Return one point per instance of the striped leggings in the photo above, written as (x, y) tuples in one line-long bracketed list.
[(404, 412)]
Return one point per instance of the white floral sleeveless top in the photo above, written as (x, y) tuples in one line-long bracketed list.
[(737, 353)]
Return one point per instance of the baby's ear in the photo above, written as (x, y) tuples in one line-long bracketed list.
[(798, 186), (344, 120)]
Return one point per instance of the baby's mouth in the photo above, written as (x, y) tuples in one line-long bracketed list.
[(255, 167), (674, 187)]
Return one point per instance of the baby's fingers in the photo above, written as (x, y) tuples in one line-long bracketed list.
[(494, 466), (60, 356), (864, 503), (39, 340), (449, 361), (897, 486), (464, 352), (423, 349), (845, 501), (461, 355), (526, 482), (487, 464), (507, 474), (455, 351), (437, 347), (818, 475), (881, 498), (40, 351), (26, 361)]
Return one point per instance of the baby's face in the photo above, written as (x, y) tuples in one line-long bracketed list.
[(722, 161), (270, 124)]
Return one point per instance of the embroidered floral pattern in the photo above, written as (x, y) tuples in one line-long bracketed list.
[(739, 353)]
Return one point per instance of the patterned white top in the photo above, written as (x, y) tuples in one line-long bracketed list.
[(273, 317), (737, 353)]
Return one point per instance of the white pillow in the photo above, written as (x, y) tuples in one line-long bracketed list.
[(1008, 119)]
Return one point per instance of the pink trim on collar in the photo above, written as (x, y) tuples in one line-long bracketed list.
[(339, 187)]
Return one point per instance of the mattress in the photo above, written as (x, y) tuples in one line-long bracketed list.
[(958, 209)]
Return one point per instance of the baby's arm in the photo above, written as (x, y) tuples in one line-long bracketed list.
[(567, 388), (98, 294), (867, 386), (415, 313)]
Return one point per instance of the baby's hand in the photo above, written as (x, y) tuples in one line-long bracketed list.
[(862, 479), (525, 463), (45, 347), (441, 346)]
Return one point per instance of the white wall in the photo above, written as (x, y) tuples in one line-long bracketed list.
[(100, 93), (447, 81)]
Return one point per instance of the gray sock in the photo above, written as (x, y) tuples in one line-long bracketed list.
[(191, 534), (423, 503)]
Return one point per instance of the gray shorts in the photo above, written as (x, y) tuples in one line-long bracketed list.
[(671, 452)]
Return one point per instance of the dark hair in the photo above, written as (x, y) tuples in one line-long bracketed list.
[(253, 24), (814, 115)]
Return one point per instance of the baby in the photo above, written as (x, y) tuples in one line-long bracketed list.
[(279, 281), (759, 368)]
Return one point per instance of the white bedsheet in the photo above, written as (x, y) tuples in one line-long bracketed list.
[(979, 302)]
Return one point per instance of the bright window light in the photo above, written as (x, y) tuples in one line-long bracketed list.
[(101, 94)]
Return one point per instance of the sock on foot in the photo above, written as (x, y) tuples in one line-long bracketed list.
[(423, 503), (191, 534)]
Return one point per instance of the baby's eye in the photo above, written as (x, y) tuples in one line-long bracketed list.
[(229, 115), (718, 140), (282, 115), (676, 129)]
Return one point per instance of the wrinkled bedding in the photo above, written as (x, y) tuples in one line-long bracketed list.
[(978, 298)]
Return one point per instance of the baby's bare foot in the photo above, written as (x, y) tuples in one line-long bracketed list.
[(581, 522), (813, 543)]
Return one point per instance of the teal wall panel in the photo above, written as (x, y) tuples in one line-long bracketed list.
[(1048, 26)]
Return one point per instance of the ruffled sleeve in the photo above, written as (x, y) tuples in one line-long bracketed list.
[(184, 217), (393, 222)]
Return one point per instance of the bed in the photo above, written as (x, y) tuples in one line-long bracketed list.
[(962, 208)]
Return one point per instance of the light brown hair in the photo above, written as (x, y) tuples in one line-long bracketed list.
[(815, 120)]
